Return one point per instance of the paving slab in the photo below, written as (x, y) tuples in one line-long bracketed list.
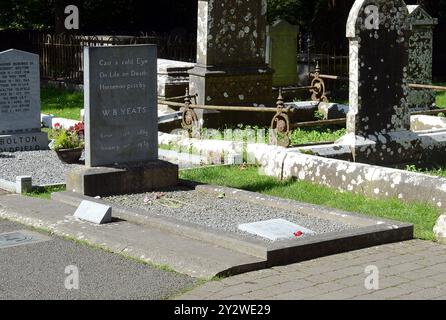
[(316, 282)]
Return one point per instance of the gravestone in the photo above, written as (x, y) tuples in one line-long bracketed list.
[(420, 57), (120, 105), (231, 68), (378, 32), (121, 123), (20, 127), (378, 121), (281, 52)]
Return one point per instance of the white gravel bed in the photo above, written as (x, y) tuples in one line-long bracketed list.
[(43, 166), (219, 213)]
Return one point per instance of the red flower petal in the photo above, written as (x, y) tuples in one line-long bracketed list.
[(298, 234)]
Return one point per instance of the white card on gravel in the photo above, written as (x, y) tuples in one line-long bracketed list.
[(276, 229)]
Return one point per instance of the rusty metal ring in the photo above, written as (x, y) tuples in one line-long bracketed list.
[(190, 119), (318, 91), (280, 130)]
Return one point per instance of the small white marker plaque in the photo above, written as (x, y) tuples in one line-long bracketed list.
[(94, 212), (276, 229)]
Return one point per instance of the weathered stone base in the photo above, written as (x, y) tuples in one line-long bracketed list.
[(173, 78), (109, 181), (249, 86), (388, 149), (30, 141)]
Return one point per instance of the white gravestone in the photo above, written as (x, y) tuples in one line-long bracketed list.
[(20, 126)]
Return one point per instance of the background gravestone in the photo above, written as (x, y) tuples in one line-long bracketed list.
[(231, 68), (281, 52), (378, 31), (20, 127), (420, 57), (120, 104)]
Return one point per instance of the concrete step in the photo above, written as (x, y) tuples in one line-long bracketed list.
[(183, 254)]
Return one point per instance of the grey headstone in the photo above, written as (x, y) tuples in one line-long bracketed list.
[(378, 31), (19, 92), (421, 44), (274, 230), (20, 128), (94, 212), (120, 104)]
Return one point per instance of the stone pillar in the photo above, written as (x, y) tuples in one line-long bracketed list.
[(281, 52), (231, 67), (420, 57), (378, 31)]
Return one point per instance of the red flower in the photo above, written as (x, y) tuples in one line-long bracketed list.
[(57, 125), (78, 127), (298, 234)]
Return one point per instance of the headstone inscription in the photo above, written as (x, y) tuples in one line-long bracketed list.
[(378, 31), (120, 104), (20, 127)]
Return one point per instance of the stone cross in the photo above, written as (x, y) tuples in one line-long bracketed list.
[(378, 31)]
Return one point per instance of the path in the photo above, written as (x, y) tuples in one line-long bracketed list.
[(410, 270), (37, 271)]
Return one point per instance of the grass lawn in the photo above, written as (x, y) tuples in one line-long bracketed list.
[(45, 193), (441, 96), (423, 216), (310, 135), (61, 102)]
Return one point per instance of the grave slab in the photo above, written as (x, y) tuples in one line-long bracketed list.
[(276, 229)]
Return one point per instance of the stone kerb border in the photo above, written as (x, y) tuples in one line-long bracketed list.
[(212, 151), (359, 178)]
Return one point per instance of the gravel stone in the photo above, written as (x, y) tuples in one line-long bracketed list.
[(43, 166), (221, 213)]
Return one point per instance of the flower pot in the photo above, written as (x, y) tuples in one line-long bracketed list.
[(70, 156)]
